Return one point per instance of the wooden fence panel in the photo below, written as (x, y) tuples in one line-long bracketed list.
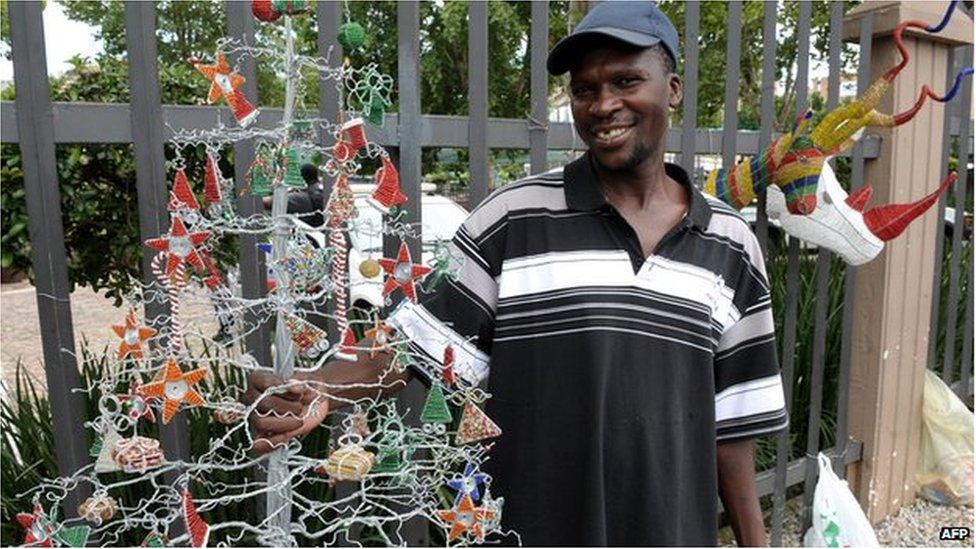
[(253, 273)]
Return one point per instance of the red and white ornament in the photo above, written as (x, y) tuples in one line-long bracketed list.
[(402, 273), (387, 193), (211, 181), (352, 138), (179, 245), (198, 530), (181, 197), (225, 83)]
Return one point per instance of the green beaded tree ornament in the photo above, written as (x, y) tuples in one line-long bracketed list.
[(435, 409)]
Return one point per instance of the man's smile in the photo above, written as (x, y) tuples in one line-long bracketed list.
[(611, 136)]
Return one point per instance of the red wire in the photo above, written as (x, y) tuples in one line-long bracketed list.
[(900, 44)]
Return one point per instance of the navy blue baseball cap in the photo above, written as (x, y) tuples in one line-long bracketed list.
[(639, 23)]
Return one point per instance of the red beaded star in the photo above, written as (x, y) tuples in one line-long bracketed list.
[(226, 83), (180, 245), (37, 527), (403, 273)]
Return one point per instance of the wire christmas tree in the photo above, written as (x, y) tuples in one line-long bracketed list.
[(163, 368)]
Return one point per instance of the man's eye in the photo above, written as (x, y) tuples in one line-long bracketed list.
[(580, 92), (626, 81)]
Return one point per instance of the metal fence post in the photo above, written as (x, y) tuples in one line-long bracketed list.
[(824, 260), (478, 154), (689, 106), (539, 86), (147, 137), (408, 156), (788, 355), (253, 274), (36, 133)]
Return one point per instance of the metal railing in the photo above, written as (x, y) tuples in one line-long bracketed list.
[(33, 122)]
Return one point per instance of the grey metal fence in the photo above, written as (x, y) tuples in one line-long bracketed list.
[(36, 124)]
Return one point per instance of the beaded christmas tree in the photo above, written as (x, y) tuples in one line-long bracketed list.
[(163, 369)]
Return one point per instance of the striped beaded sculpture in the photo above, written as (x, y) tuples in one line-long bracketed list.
[(802, 191)]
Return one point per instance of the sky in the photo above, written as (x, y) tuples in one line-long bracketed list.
[(75, 38)]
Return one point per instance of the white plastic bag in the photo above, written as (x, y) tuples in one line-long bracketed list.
[(838, 520), (945, 467)]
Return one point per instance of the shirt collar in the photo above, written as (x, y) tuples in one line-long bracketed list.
[(582, 190)]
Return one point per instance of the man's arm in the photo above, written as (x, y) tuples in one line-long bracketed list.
[(283, 416), (737, 488)]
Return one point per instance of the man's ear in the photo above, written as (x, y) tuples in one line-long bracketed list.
[(675, 91)]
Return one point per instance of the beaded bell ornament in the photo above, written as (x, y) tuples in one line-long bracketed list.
[(802, 191)]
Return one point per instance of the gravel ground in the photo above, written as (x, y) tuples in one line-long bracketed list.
[(914, 526), (919, 524), (92, 314)]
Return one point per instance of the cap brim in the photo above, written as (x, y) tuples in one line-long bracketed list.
[(567, 50)]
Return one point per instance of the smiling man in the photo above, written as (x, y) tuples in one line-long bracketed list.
[(621, 318)]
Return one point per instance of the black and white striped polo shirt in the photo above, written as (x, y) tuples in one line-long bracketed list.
[(612, 374)]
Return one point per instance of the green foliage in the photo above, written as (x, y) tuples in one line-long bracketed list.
[(712, 41), (965, 295)]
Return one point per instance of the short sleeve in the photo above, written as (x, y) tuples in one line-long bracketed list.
[(460, 312), (749, 398)]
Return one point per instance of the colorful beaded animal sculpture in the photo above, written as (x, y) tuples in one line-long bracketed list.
[(802, 191)]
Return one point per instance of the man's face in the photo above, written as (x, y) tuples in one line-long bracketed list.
[(620, 102)]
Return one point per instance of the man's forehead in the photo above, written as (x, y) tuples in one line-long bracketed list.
[(612, 59)]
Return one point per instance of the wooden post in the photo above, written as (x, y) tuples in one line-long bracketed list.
[(893, 293)]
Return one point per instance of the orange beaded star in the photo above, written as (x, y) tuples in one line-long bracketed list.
[(466, 518), (224, 82), (132, 336), (175, 388), (380, 336)]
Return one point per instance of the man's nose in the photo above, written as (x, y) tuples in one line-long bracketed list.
[(606, 102)]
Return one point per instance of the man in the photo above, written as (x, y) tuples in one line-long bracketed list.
[(622, 320), (309, 202)]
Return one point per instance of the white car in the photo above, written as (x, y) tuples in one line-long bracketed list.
[(441, 218)]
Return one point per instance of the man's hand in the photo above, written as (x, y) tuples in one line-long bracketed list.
[(291, 411)]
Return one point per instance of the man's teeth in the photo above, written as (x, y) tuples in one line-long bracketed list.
[(610, 134)]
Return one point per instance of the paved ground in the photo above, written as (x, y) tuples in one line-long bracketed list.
[(93, 314)]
